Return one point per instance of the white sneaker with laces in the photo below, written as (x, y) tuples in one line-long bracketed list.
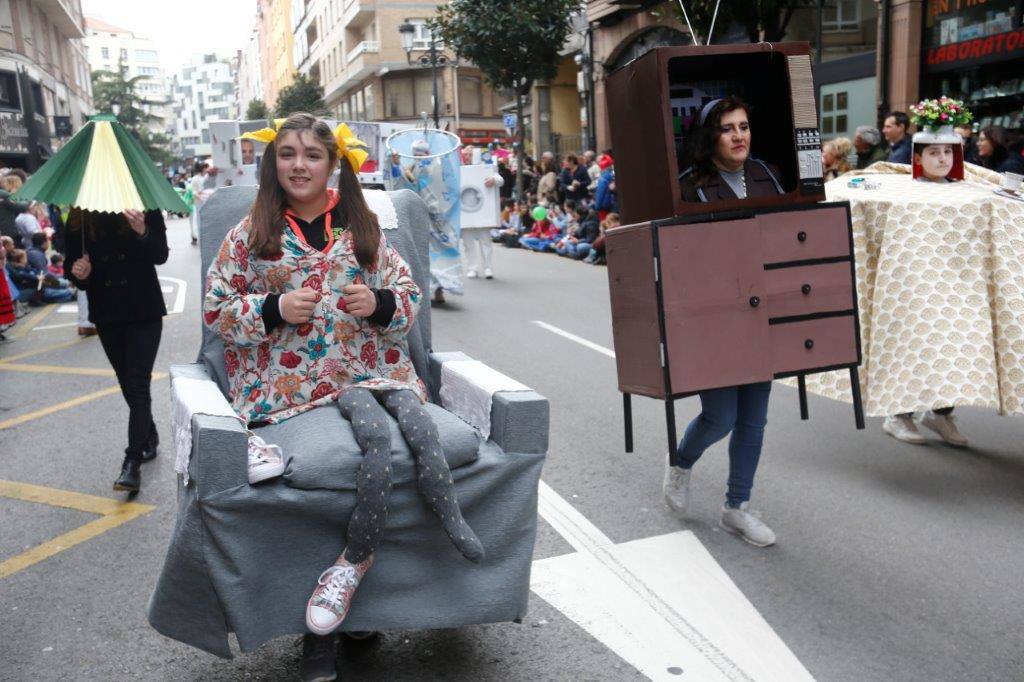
[(902, 427), (676, 488), (945, 426), (265, 460), (471, 274), (748, 525), (488, 274)]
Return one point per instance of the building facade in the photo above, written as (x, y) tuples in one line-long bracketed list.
[(204, 91), (353, 48), (112, 48), (274, 40), (248, 75), (45, 85)]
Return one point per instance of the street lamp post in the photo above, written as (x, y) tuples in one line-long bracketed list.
[(432, 58)]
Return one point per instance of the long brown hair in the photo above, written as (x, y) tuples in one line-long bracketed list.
[(267, 214)]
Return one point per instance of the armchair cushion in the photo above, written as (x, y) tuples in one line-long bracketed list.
[(321, 452)]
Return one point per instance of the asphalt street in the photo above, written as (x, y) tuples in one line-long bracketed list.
[(894, 561)]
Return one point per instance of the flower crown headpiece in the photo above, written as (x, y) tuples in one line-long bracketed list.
[(349, 146)]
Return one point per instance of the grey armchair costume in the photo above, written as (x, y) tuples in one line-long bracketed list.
[(245, 559)]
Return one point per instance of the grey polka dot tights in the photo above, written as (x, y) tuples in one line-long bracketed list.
[(362, 408)]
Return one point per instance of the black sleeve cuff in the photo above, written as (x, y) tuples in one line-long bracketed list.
[(386, 307), (271, 312)]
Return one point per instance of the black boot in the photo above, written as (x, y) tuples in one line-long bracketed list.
[(131, 475), (150, 450), (319, 658)]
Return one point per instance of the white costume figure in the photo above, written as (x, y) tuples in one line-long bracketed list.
[(481, 212)]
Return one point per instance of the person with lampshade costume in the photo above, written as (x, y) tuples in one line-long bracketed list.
[(116, 237)]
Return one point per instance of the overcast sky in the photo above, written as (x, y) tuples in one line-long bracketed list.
[(183, 28)]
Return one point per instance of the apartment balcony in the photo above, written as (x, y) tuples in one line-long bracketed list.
[(358, 13), (64, 16), (365, 47)]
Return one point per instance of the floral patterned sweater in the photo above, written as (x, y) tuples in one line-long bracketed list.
[(279, 373)]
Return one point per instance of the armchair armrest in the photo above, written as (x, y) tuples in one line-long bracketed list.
[(520, 420), (219, 444)]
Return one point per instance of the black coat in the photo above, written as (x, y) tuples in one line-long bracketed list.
[(763, 180), (9, 210), (122, 286)]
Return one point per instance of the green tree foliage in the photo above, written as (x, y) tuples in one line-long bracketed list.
[(304, 94), (114, 90), (763, 20), (513, 42), (256, 110)]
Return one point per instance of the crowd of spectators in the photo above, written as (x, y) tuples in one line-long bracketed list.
[(31, 253), (993, 147), (566, 207)]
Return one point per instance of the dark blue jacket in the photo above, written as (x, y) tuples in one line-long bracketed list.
[(604, 196), (900, 152), (566, 177)]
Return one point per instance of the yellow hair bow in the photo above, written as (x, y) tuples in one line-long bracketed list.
[(348, 144), (349, 147)]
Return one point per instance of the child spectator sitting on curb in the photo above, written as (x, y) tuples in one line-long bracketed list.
[(56, 267), (542, 237), (578, 246), (519, 223), (597, 253), (27, 279), (37, 252)]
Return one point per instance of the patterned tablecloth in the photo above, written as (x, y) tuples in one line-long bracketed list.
[(940, 278)]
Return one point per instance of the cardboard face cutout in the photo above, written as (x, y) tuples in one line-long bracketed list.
[(938, 157)]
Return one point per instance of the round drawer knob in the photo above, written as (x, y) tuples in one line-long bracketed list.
[(809, 344), (806, 289), (801, 236), (754, 301)]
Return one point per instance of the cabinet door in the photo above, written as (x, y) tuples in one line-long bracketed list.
[(716, 319)]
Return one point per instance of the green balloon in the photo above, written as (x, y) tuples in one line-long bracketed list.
[(540, 213)]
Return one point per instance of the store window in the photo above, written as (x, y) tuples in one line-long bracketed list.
[(471, 101), (9, 91), (369, 102), (841, 15), (971, 52)]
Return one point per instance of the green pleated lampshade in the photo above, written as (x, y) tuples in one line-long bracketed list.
[(102, 168)]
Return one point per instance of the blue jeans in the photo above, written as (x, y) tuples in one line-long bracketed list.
[(578, 250), (536, 243), (741, 411)]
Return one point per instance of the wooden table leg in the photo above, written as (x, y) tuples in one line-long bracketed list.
[(670, 418), (802, 385), (858, 406), (627, 413)]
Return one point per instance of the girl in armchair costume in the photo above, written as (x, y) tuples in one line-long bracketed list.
[(314, 307)]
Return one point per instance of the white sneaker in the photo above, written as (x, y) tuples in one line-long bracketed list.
[(902, 427), (748, 525), (488, 274), (945, 426), (265, 461), (332, 598), (471, 274), (676, 488)]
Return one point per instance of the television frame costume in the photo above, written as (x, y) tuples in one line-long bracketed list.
[(787, 305)]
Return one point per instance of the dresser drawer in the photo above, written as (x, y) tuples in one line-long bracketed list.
[(804, 235), (813, 344), (808, 289)]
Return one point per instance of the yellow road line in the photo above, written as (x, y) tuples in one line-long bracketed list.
[(91, 504), (57, 369), (112, 513), (39, 351), (24, 328), (15, 421)]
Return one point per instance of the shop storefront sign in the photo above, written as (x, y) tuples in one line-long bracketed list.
[(13, 134), (975, 52)]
